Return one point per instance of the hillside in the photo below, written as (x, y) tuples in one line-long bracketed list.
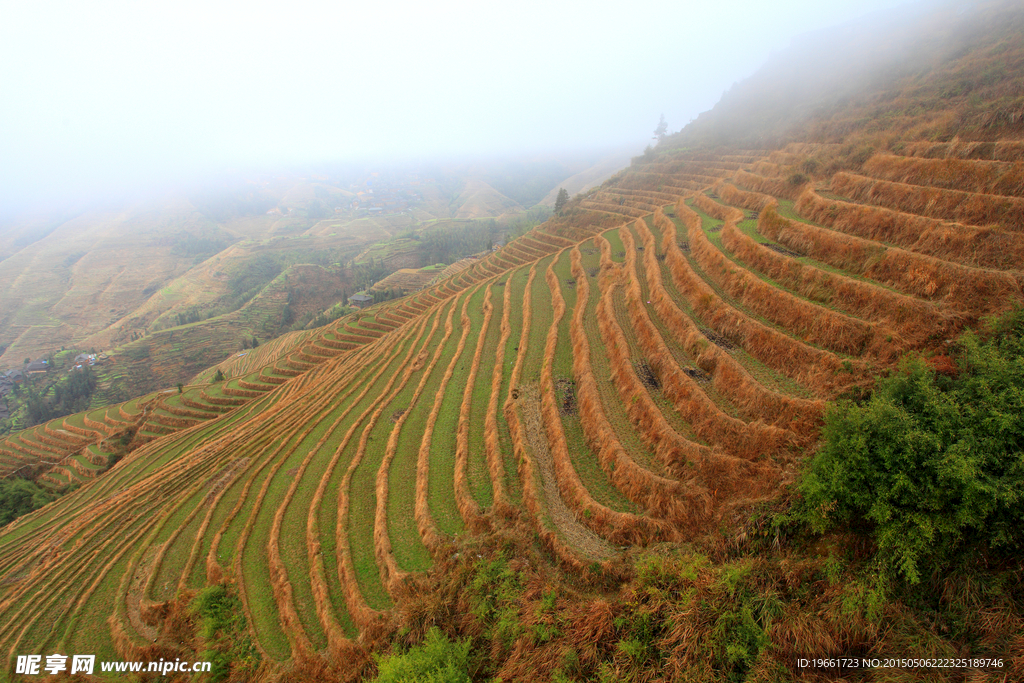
[(925, 71), (104, 278), (569, 452), (91, 271), (101, 277), (166, 357)]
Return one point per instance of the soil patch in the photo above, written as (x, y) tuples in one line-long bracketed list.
[(782, 250), (566, 389), (697, 374), (717, 339), (646, 375)]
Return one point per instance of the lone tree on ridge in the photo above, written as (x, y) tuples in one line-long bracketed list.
[(561, 200), (659, 132)]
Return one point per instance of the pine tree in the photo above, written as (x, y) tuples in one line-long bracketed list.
[(659, 132), (561, 200)]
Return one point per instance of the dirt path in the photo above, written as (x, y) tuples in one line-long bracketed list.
[(133, 601), (583, 540)]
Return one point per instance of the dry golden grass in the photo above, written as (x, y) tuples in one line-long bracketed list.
[(979, 290), (363, 615), (567, 559), (800, 416), (971, 208), (1000, 150), (721, 474), (617, 526), (468, 506), (747, 440), (424, 522), (984, 177), (910, 321), (491, 440), (816, 369), (811, 323), (391, 574), (776, 187)]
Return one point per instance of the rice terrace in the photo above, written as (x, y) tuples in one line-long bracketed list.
[(749, 410)]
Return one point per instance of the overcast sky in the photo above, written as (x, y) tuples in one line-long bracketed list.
[(99, 95)]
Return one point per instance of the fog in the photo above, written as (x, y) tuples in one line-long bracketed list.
[(108, 98)]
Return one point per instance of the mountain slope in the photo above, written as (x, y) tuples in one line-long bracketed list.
[(929, 70), (643, 370)]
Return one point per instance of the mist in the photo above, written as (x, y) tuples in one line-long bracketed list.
[(110, 99)]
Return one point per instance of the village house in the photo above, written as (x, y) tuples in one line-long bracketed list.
[(13, 376), (37, 366), (360, 300)]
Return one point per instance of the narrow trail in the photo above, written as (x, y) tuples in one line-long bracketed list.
[(588, 543)]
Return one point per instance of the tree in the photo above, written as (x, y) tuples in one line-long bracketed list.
[(219, 377), (561, 200), (659, 132)]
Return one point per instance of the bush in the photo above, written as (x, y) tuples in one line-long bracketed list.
[(437, 660), (933, 463), (19, 496), (223, 630)]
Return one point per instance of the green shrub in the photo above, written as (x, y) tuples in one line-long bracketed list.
[(19, 496), (223, 629), (437, 660), (495, 596), (932, 464)]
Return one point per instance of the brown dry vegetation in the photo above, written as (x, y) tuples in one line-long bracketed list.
[(567, 558), (618, 527), (912, 319), (985, 177), (919, 235), (391, 574), (971, 208), (811, 323), (814, 368), (491, 439), (685, 503), (425, 524), (748, 440)]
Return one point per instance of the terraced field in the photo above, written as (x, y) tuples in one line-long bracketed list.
[(641, 368)]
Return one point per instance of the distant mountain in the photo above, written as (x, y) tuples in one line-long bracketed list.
[(590, 177), (479, 200)]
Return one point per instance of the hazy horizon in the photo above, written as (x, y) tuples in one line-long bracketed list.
[(110, 98)]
